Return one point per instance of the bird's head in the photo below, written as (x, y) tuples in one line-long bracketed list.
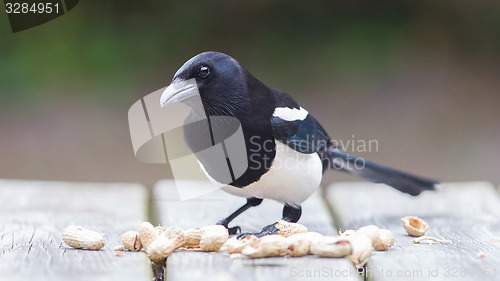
[(220, 79)]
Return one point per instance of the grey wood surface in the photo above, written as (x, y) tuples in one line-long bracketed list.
[(33, 214), (468, 214), (209, 208)]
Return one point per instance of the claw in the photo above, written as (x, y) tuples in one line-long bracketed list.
[(266, 230), (243, 235)]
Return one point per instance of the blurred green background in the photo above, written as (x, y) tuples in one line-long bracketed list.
[(422, 78)]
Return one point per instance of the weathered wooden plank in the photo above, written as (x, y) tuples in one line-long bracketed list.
[(33, 214), (465, 213), (209, 208)]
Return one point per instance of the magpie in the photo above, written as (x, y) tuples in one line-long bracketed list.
[(287, 149)]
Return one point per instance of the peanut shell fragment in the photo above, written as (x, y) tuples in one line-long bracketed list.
[(289, 228), (431, 239), (415, 226)]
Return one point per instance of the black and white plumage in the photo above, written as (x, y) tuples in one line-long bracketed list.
[(287, 148)]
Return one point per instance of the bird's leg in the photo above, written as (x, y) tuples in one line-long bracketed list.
[(290, 214), (251, 202)]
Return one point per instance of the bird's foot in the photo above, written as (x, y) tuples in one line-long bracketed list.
[(266, 230), (231, 230)]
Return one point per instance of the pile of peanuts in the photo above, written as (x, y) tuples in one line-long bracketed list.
[(293, 240), (356, 245)]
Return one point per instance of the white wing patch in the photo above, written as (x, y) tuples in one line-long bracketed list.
[(290, 114)]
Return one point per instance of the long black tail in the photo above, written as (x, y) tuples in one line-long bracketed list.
[(339, 160)]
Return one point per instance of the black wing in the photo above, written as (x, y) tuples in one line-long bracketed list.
[(305, 136)]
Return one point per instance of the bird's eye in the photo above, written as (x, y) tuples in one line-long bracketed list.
[(203, 71)]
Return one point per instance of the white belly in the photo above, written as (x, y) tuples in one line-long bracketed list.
[(292, 178)]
